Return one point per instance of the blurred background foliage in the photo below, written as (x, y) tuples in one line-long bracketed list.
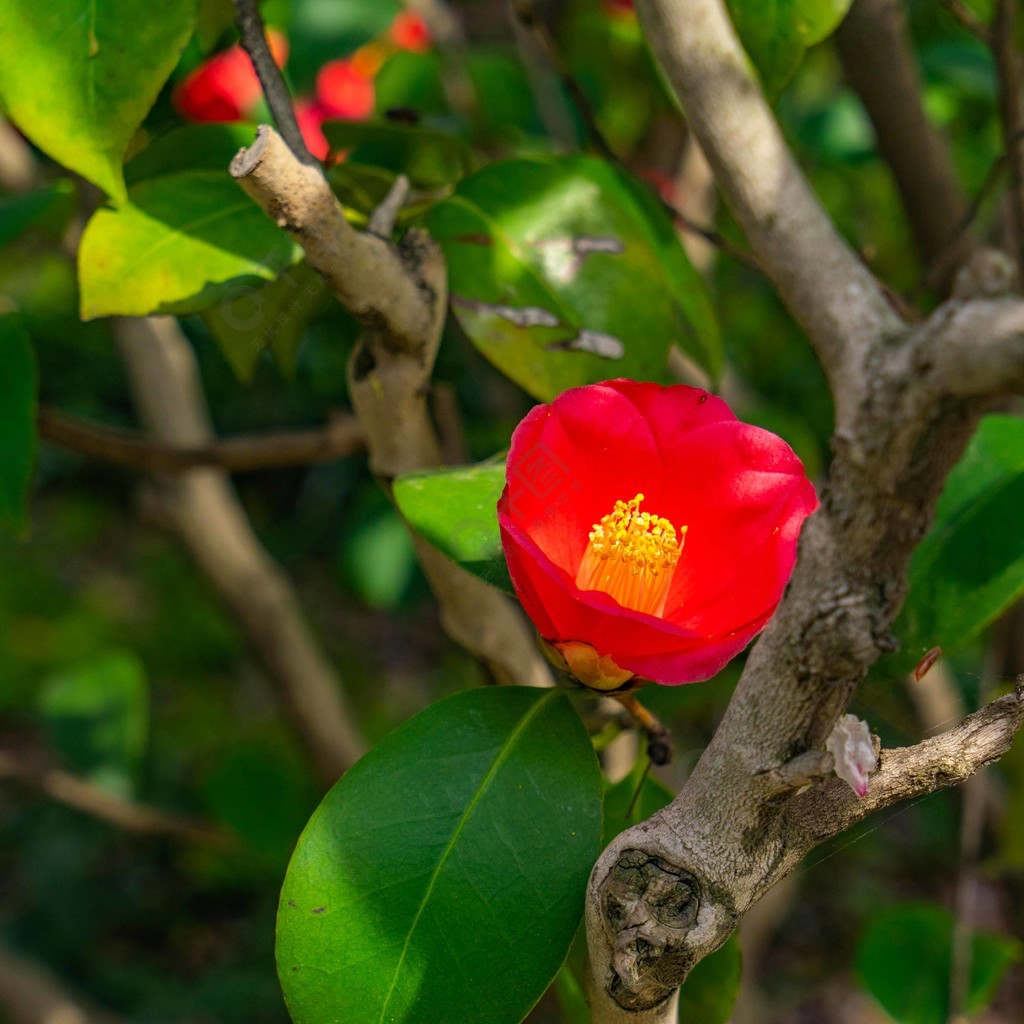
[(118, 663)]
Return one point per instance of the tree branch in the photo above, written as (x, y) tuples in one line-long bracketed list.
[(825, 286), (253, 36), (206, 513), (366, 273), (399, 294), (341, 437), (1011, 113), (904, 773), (878, 60), (137, 818)]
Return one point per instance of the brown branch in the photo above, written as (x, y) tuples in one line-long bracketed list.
[(905, 773), (365, 272), (253, 35), (31, 994), (399, 294), (1011, 114), (204, 510), (826, 287), (966, 18), (340, 438), (878, 60), (137, 818)]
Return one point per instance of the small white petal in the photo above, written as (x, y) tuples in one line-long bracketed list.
[(850, 744)]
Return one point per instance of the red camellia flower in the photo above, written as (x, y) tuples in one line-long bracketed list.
[(343, 89), (648, 532), (409, 32), (225, 87)]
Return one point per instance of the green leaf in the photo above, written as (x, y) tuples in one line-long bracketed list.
[(97, 715), (18, 387), (571, 998), (429, 158), (709, 993), (213, 19), (180, 244), (411, 81), (776, 35), (970, 566), (442, 878), (904, 962), (565, 271), (247, 320), (454, 509), (20, 212), (78, 76), (190, 147)]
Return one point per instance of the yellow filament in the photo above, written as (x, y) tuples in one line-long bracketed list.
[(632, 556)]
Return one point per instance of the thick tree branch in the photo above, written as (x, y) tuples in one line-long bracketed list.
[(129, 815), (399, 294), (205, 512), (825, 286), (341, 437), (878, 60), (669, 891)]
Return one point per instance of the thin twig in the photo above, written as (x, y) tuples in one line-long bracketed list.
[(341, 437), (254, 41), (382, 220), (938, 266), (967, 19), (530, 18), (1011, 116), (129, 815)]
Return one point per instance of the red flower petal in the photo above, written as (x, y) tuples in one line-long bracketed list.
[(739, 491)]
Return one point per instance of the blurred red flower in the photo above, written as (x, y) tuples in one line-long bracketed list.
[(648, 532), (310, 116), (225, 87), (344, 90), (409, 31)]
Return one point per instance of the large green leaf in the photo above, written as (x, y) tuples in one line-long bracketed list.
[(776, 34), (97, 715), (565, 271), (970, 566), (429, 158), (904, 962), (78, 76), (442, 878), (455, 510), (18, 385), (180, 244)]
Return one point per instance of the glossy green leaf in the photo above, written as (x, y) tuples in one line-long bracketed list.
[(247, 320), (97, 715), (777, 34), (454, 509), (427, 157), (904, 962), (970, 566), (181, 244), (52, 204), (79, 76), (18, 387), (565, 271), (442, 878)]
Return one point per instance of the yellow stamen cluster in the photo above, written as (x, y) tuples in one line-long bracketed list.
[(632, 556)]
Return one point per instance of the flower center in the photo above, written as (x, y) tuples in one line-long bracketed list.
[(632, 556)]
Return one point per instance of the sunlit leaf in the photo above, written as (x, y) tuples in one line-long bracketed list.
[(454, 509), (78, 76), (181, 243)]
